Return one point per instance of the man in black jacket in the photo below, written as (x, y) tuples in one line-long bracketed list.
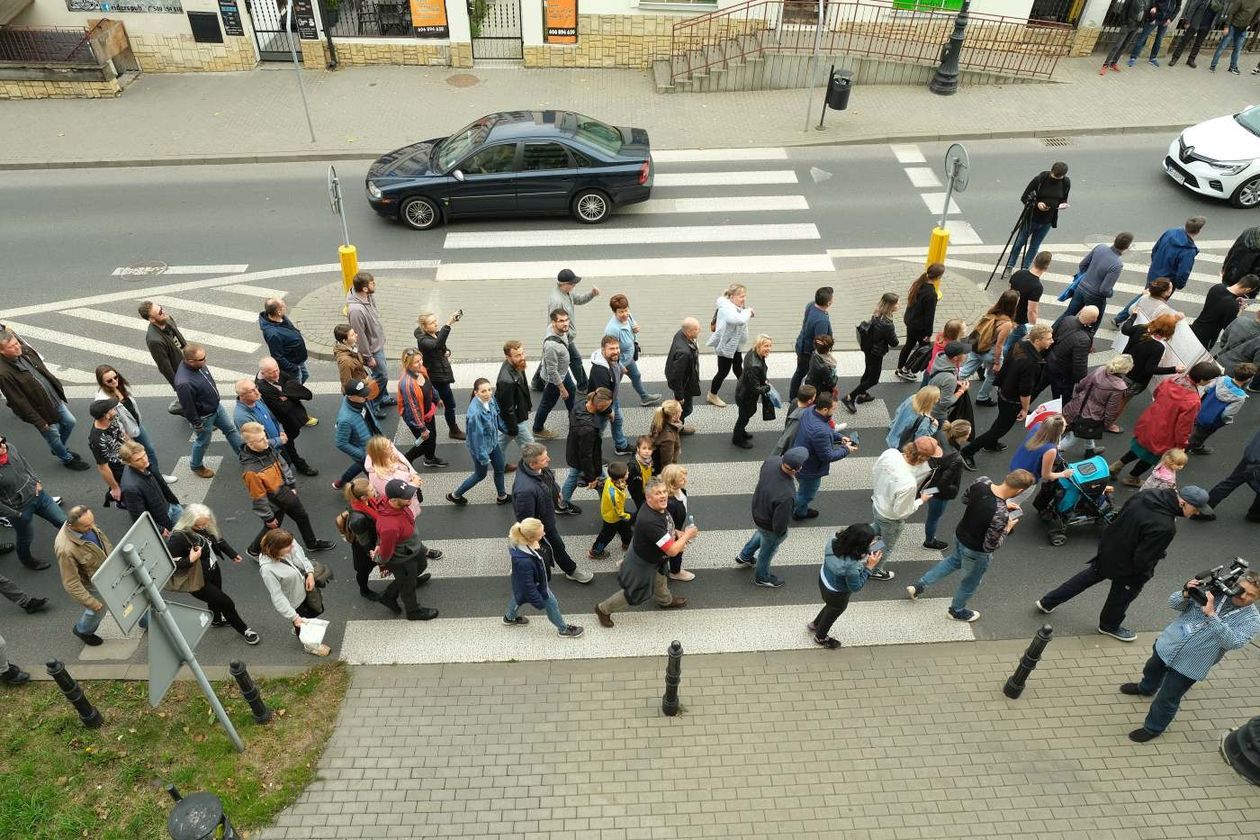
[(772, 502), (284, 395), (682, 369), (202, 407), (582, 449), (165, 343), (511, 390), (1128, 552), (144, 489), (22, 498), (1041, 200), (1017, 381), (1067, 362), (36, 397), (606, 373), (534, 494)]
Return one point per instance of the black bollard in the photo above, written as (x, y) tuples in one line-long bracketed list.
[(1241, 750), (249, 690), (199, 816), (1015, 685), (673, 676), (88, 714)]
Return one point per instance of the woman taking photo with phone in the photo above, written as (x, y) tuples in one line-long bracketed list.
[(847, 563)]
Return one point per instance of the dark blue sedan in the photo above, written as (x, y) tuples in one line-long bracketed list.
[(515, 163)]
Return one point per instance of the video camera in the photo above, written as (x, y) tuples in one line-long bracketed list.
[(1218, 583)]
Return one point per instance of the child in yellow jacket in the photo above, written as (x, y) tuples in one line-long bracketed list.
[(612, 509)]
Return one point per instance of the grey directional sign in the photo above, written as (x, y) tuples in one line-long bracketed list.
[(165, 659), (118, 587)]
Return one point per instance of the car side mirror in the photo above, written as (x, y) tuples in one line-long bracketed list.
[(457, 175)]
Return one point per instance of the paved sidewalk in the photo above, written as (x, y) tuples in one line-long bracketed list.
[(868, 743), (362, 112)]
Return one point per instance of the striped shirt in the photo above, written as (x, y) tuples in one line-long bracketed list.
[(1193, 643)]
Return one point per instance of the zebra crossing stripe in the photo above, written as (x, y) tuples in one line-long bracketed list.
[(718, 204), (717, 155), (725, 178), (569, 237), (131, 322), (203, 308), (641, 267)]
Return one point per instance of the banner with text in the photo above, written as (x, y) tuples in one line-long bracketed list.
[(428, 19), (560, 21)]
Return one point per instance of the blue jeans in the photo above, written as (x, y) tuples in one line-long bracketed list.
[(304, 373), (982, 362), (174, 512), (806, 490), (1168, 686), (523, 436), (479, 473), (550, 396), (552, 608), (381, 374), (447, 396), (58, 433), (973, 565), (43, 506), (618, 426), (571, 481), (768, 543), (219, 420), (889, 530), (636, 378), (1017, 335), (935, 510), (1160, 28), (1031, 235), (1236, 35), (91, 620)]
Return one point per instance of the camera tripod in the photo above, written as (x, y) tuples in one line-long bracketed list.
[(1022, 223)]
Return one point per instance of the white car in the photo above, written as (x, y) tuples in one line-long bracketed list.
[(1220, 158)]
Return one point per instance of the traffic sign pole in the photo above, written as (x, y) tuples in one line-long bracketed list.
[(171, 629), (347, 254)]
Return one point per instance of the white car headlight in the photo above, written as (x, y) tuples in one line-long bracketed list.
[(1229, 167), (374, 191)]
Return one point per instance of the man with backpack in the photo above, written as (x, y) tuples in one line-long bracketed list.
[(804, 399), (1221, 403)]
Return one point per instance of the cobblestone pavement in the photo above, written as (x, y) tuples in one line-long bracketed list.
[(362, 112), (904, 742)]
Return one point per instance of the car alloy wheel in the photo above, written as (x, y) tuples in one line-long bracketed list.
[(419, 213), (591, 207), (1247, 194)]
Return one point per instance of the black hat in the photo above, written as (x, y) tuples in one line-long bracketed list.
[(566, 275), (396, 488), (356, 388), (99, 408)]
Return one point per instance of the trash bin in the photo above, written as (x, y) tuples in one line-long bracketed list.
[(839, 86)]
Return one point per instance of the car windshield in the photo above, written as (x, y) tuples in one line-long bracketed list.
[(598, 134), (459, 144), (1250, 119)]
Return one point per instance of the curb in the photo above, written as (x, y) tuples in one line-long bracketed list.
[(355, 154)]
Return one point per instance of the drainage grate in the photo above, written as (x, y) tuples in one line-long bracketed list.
[(1056, 141)]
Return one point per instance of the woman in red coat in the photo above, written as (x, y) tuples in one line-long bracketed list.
[(1166, 423)]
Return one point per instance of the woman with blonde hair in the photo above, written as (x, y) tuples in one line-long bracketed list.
[(199, 521), (675, 478), (431, 342), (666, 434), (913, 417), (531, 557), (1041, 448), (730, 330), (384, 462), (753, 384), (417, 406)]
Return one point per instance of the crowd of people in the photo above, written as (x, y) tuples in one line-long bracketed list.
[(933, 440), (1194, 20)]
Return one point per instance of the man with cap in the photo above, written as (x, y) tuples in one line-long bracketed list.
[(1128, 552), (772, 513), (944, 375), (990, 516), (562, 297), (398, 547), (895, 495), (355, 426), (104, 439), (250, 408)]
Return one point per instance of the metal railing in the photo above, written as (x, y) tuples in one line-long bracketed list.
[(47, 44), (865, 29), (372, 19)]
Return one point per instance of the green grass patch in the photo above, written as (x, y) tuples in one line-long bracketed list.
[(59, 780)]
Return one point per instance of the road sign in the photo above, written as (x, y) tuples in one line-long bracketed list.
[(118, 587), (958, 167), (165, 659)]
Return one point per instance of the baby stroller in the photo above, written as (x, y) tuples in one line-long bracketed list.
[(1085, 497)]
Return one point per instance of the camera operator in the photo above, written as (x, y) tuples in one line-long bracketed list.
[(1191, 645), (1042, 198)]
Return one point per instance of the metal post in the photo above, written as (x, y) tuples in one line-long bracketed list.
[(177, 638), (1241, 750), (1015, 685), (823, 113), (89, 715), (249, 690), (813, 64), (673, 676), (945, 82), (332, 48), (297, 67), (949, 193)]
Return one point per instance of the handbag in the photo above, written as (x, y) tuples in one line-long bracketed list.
[(1087, 428), (767, 407), (315, 598), (638, 351)]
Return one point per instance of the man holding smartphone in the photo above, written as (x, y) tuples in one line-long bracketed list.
[(989, 517)]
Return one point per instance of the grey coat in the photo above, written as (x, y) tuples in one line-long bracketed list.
[(285, 583), (555, 359), (366, 321), (568, 302)]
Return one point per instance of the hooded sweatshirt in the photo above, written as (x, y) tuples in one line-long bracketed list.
[(1167, 422), (894, 488), (944, 375)]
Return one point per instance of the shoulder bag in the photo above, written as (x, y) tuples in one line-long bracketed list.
[(1087, 428)]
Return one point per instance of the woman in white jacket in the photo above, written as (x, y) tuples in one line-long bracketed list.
[(288, 577), (730, 330)]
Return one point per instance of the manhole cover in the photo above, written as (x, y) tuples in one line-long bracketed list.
[(462, 80), (1056, 141), (142, 268)]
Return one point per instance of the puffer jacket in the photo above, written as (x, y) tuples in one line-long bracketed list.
[(17, 484), (353, 428), (264, 474), (943, 375), (732, 327), (534, 494), (881, 337), (1243, 14), (1067, 360), (436, 355), (1167, 422), (1099, 396), (529, 575), (582, 449), (1239, 343)]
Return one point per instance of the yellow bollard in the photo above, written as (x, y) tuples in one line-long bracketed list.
[(349, 265), (938, 246)]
